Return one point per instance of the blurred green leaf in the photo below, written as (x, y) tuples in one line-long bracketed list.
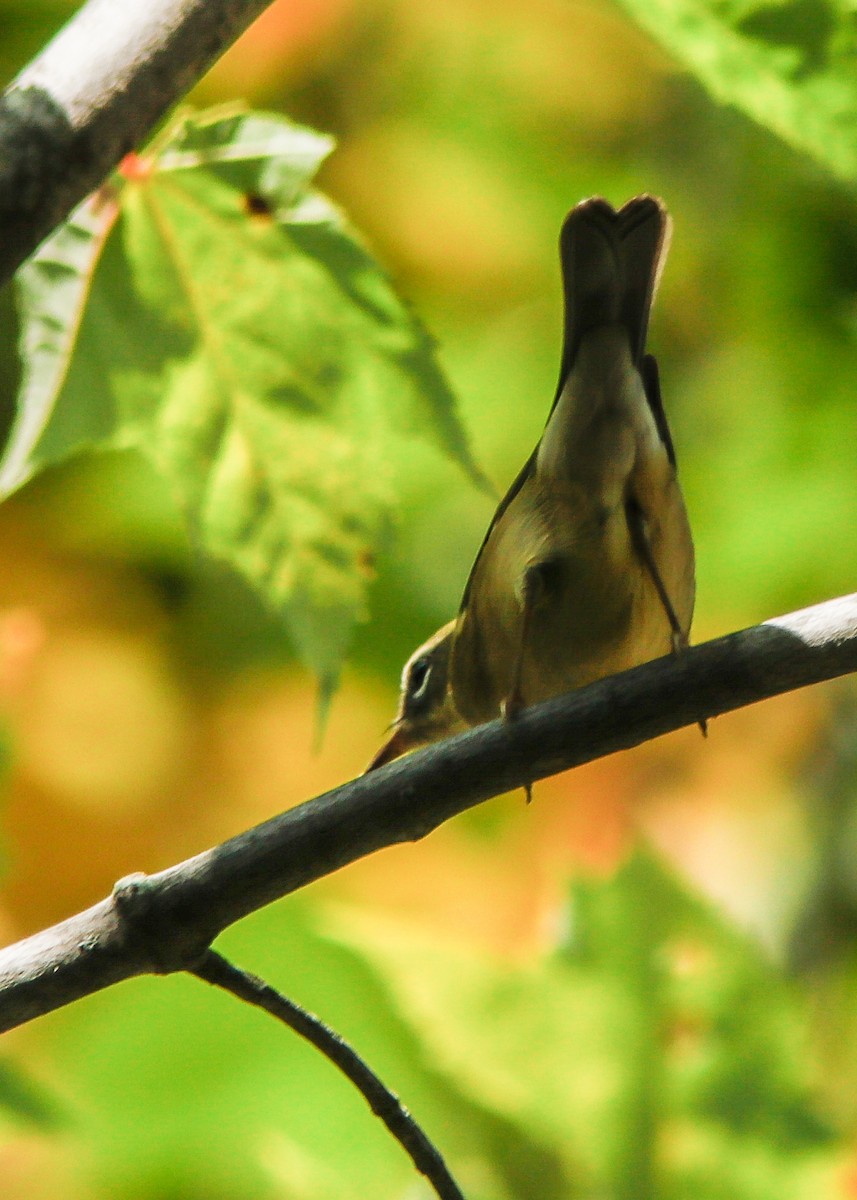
[(28, 1101), (215, 313), (720, 1061), (788, 65), (219, 1101), (658, 1052)]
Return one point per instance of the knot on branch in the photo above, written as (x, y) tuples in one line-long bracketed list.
[(150, 929)]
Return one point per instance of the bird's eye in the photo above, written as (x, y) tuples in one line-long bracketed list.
[(418, 678)]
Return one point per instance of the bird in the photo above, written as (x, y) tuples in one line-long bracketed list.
[(587, 567)]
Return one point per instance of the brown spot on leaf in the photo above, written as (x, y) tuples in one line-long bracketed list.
[(256, 205), (365, 563)]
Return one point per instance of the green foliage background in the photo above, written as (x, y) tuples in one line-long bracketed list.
[(244, 360)]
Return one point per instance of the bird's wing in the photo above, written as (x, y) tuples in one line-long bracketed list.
[(521, 478), (652, 387)]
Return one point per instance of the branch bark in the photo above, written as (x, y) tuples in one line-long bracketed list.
[(92, 95), (165, 922)]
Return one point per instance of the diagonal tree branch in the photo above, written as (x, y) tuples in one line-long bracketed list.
[(92, 95), (165, 922)]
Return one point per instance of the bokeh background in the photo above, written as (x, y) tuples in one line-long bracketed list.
[(152, 707)]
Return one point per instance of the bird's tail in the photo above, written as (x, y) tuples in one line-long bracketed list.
[(611, 263)]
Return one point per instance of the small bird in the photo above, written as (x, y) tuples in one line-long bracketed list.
[(587, 567)]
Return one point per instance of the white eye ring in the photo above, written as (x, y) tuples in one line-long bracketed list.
[(418, 678)]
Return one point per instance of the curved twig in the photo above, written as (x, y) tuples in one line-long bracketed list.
[(385, 1104)]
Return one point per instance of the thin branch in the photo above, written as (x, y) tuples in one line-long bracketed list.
[(165, 922), (93, 94), (386, 1105)]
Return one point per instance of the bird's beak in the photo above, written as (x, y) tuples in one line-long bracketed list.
[(397, 744)]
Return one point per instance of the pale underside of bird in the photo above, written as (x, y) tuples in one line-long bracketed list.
[(587, 567)]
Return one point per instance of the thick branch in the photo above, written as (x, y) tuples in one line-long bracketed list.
[(93, 94), (165, 922)]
